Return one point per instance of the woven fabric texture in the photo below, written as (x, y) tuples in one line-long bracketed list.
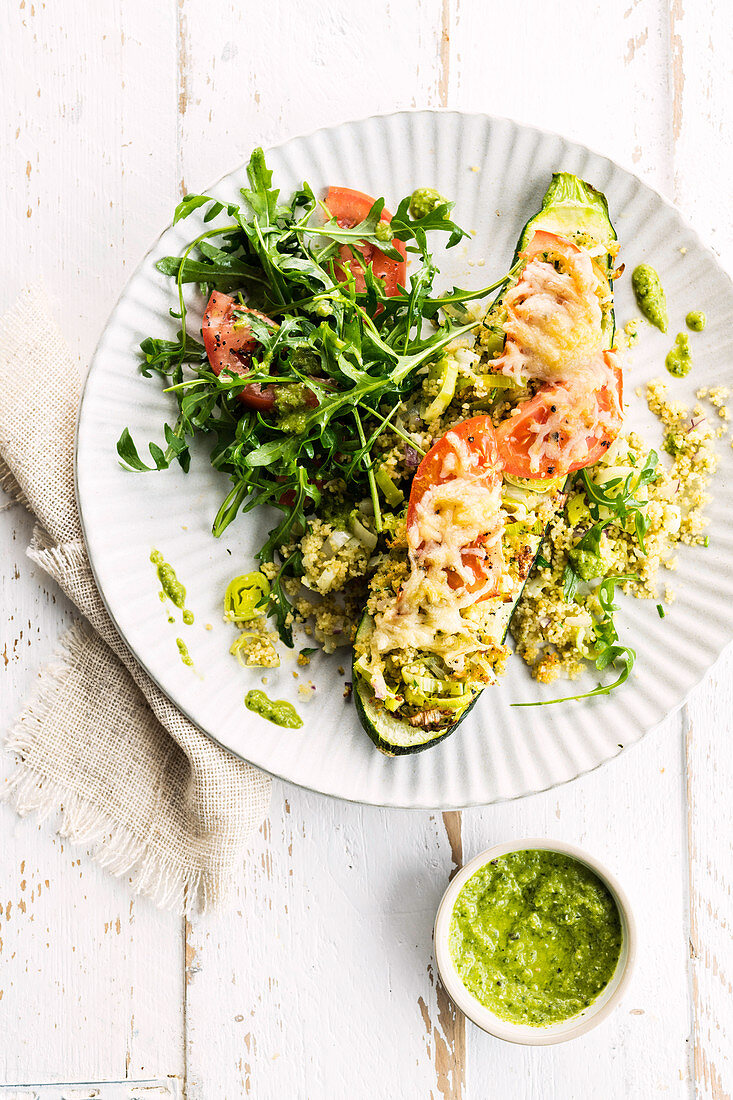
[(100, 748)]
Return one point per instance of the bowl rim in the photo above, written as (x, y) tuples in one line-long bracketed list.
[(524, 1034)]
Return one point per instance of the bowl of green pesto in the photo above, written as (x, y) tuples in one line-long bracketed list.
[(535, 941)]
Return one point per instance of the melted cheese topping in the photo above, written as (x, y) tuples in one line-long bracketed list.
[(456, 558), (577, 416), (553, 326)]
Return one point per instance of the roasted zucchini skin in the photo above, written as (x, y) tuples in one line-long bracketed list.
[(571, 208), (392, 736)]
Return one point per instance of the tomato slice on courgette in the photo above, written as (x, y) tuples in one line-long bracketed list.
[(516, 435), (229, 345), (349, 208), (468, 449), (542, 241)]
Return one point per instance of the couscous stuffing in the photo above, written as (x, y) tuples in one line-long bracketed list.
[(553, 631)]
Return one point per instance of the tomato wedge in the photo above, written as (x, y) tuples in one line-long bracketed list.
[(475, 438), (516, 435), (542, 241), (469, 448), (229, 344), (349, 208)]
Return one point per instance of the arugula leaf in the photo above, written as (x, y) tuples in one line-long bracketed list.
[(177, 448), (260, 194), (405, 226), (372, 231), (622, 499), (189, 203), (619, 497), (128, 455), (279, 604), (163, 356)]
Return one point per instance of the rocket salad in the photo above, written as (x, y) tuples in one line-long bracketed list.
[(311, 324)]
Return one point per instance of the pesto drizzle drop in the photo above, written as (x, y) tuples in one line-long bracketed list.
[(679, 358), (278, 711), (649, 293), (171, 587), (183, 652)]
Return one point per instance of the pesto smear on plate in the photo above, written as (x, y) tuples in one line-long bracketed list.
[(170, 586), (535, 936), (696, 320), (278, 711), (650, 297), (679, 358)]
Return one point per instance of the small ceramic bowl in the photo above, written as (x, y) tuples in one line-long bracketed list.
[(522, 1033)]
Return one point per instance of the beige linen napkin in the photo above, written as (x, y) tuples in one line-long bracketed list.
[(100, 746)]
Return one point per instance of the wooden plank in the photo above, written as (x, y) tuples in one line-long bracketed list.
[(610, 94), (257, 81), (322, 983), (709, 767), (91, 982), (702, 87)]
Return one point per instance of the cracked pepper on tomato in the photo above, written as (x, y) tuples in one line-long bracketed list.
[(554, 337)]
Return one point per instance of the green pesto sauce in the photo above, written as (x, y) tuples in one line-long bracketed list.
[(424, 201), (535, 936), (650, 295), (586, 564), (183, 651), (278, 711), (679, 358), (292, 407), (293, 396), (294, 423), (383, 231), (696, 320), (171, 587)]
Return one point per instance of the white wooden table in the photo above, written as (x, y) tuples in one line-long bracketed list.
[(321, 982)]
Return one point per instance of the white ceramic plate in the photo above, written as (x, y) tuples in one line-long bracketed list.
[(497, 172)]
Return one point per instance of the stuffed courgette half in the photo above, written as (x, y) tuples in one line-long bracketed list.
[(441, 600)]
